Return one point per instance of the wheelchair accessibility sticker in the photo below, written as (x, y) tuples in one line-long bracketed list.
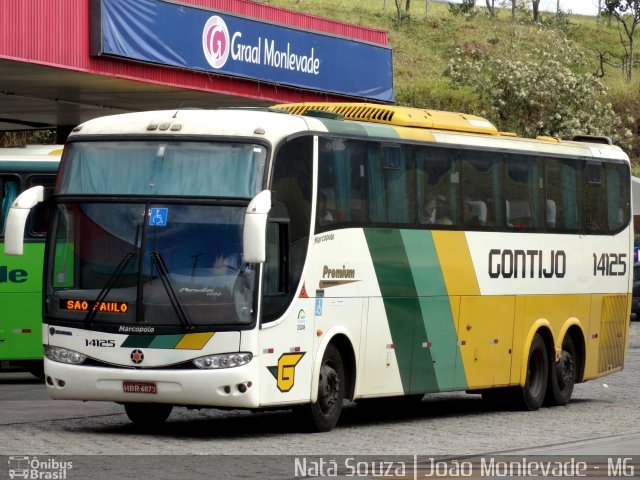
[(158, 217)]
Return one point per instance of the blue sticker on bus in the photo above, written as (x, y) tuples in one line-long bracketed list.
[(318, 307), (158, 217)]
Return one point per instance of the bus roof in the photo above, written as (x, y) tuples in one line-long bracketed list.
[(359, 119), (28, 163), (32, 150)]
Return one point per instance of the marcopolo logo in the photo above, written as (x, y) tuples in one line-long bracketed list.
[(216, 42), (137, 356)]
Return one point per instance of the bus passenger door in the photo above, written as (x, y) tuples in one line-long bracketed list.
[(387, 347), (485, 330)]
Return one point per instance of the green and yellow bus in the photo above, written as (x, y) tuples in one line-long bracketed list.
[(297, 256), (21, 277)]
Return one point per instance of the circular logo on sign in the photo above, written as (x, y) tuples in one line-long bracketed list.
[(137, 356), (215, 42)]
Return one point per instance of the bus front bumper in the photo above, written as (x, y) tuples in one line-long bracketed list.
[(230, 387)]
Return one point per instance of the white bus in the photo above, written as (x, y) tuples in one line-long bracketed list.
[(298, 256)]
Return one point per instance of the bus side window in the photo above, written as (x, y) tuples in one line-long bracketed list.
[(437, 182), (9, 188), (562, 195), (291, 185), (618, 206), (390, 181), (595, 202), (481, 190), (276, 275), (522, 192), (341, 178)]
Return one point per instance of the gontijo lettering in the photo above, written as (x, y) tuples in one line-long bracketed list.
[(527, 263), (86, 305)]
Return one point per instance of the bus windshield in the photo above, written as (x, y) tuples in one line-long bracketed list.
[(163, 264), (147, 257), (174, 168)]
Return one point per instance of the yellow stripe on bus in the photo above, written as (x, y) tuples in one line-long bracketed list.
[(194, 341), (455, 262)]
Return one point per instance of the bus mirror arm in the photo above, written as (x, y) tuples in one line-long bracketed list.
[(254, 235), (17, 219)]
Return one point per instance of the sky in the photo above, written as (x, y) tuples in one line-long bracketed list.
[(582, 7)]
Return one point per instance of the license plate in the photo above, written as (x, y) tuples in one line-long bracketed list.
[(139, 387)]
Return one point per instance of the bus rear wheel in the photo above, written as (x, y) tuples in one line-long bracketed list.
[(147, 414), (562, 375), (532, 395), (323, 415)]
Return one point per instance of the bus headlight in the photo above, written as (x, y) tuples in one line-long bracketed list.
[(63, 355), (223, 360)]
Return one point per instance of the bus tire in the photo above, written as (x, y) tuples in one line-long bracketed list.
[(323, 415), (147, 414), (562, 375), (532, 395)]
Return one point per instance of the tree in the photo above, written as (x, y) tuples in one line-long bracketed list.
[(627, 14), (491, 7), (533, 90), (535, 6), (467, 7), (399, 11)]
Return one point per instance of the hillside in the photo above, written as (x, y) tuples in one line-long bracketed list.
[(424, 44)]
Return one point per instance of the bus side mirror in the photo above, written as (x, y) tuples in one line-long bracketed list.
[(17, 219), (254, 235)]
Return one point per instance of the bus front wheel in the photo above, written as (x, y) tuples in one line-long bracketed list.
[(533, 393), (323, 415), (562, 375), (147, 414)]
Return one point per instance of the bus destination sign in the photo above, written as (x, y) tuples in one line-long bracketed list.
[(86, 305)]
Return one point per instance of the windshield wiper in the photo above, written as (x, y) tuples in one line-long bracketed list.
[(157, 260), (107, 288)]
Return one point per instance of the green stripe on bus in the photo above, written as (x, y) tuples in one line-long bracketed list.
[(441, 339), (344, 128), (418, 310), (138, 341), (165, 341), (360, 129), (393, 271), (378, 130), (390, 262)]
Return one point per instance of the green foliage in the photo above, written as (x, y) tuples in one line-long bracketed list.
[(559, 20), (26, 137), (466, 8), (538, 93), (622, 6), (626, 102), (438, 95)]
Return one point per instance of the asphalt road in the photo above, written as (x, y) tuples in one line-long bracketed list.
[(603, 418)]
